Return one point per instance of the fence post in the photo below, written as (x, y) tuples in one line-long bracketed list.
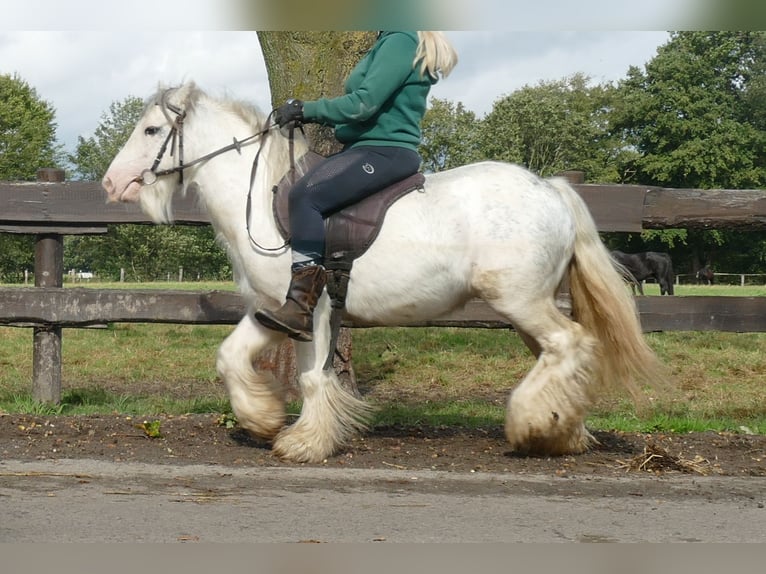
[(573, 176), (49, 272)]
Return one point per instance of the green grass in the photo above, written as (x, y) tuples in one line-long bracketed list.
[(691, 290), (661, 422), (416, 376)]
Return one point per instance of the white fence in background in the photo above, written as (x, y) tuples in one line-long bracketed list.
[(725, 279)]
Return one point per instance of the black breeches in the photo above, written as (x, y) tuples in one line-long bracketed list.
[(338, 181)]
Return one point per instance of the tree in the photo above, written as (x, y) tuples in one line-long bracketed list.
[(450, 136), (17, 254), (27, 131), (696, 118), (93, 155), (27, 143), (754, 92), (554, 126), (145, 252), (311, 65), (688, 114)]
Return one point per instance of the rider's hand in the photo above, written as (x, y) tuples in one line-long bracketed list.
[(290, 111)]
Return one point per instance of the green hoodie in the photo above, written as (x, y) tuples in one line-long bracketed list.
[(385, 97)]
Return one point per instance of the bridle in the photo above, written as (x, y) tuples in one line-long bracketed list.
[(150, 175)]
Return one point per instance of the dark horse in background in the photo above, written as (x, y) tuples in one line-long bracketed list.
[(705, 276), (647, 264)]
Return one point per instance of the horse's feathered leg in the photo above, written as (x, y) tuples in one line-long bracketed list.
[(257, 397), (546, 411), (330, 415), (602, 346)]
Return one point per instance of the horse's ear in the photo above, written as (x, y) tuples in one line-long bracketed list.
[(182, 91), (181, 95)]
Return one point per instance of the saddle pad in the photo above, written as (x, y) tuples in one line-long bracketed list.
[(350, 231)]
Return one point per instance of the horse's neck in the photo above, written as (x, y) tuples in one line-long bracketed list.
[(224, 186), (224, 181)]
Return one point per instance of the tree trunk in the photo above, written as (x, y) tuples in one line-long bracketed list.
[(311, 65), (307, 66)]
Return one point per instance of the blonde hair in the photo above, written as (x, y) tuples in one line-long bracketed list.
[(435, 54)]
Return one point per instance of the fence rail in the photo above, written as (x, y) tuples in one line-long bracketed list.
[(51, 208), (86, 307)]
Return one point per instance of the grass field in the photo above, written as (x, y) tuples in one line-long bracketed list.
[(416, 375)]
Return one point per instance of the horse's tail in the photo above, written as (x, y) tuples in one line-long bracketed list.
[(605, 308)]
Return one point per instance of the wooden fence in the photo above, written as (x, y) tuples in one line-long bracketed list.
[(51, 208)]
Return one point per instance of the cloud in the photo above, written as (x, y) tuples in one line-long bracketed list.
[(495, 64), (82, 73)]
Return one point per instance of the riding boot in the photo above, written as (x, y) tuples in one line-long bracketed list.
[(296, 316)]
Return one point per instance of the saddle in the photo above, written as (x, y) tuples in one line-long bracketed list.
[(348, 232)]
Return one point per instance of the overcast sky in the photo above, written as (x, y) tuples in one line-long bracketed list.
[(82, 72), (83, 55)]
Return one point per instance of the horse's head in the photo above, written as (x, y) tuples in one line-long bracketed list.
[(151, 166), (143, 170)]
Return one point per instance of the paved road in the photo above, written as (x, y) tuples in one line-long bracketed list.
[(96, 501)]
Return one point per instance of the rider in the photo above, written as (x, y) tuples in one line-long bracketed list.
[(378, 123)]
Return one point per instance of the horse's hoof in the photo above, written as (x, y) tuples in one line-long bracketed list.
[(290, 447), (551, 442), (259, 429)]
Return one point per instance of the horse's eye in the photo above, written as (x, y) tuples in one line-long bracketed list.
[(152, 130)]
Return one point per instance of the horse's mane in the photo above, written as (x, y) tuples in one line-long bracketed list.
[(192, 94)]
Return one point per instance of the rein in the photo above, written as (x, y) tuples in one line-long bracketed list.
[(291, 141)]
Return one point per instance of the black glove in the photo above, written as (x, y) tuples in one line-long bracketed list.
[(290, 111)]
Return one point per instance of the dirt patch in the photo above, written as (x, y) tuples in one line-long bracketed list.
[(203, 439)]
